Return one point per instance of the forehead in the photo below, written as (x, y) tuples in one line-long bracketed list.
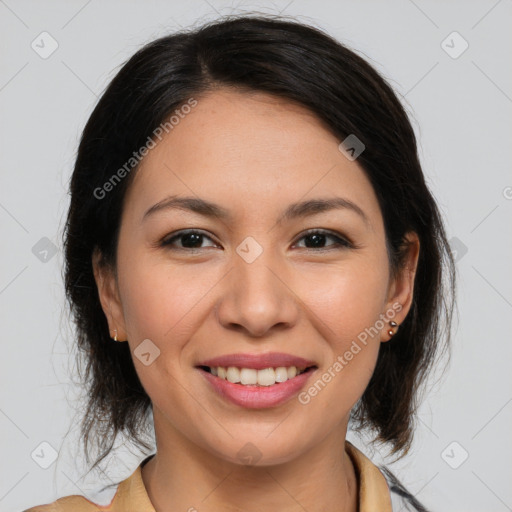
[(253, 148)]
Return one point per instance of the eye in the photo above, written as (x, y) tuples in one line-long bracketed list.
[(317, 238), (190, 239), (314, 239)]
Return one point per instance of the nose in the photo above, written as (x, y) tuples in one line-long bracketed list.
[(256, 299)]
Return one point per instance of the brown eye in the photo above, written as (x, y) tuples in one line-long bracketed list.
[(190, 239), (315, 239)]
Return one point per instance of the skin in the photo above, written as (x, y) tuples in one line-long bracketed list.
[(253, 155)]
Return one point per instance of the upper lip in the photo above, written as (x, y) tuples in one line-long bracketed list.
[(258, 361)]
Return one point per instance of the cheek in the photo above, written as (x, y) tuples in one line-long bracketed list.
[(346, 298), (163, 302), (166, 303), (347, 303)]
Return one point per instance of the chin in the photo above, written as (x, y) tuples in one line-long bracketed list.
[(260, 450)]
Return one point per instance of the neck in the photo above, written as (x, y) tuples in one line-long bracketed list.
[(183, 476)]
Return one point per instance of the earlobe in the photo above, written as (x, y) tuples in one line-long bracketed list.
[(393, 325), (401, 290), (109, 296)]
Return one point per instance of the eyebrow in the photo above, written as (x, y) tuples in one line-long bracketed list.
[(293, 211)]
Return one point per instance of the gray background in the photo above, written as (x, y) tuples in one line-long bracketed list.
[(461, 109)]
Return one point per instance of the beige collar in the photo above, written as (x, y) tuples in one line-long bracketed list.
[(373, 488)]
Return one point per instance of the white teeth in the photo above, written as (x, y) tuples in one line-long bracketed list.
[(250, 376), (281, 374), (233, 374), (267, 377)]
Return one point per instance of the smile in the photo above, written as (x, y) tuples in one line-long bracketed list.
[(257, 381), (253, 377)]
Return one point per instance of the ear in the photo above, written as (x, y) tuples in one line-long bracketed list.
[(401, 287), (108, 292)]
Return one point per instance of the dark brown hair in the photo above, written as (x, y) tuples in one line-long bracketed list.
[(297, 63)]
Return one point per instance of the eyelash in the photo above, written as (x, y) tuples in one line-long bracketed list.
[(341, 243)]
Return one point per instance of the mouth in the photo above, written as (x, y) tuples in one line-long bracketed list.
[(256, 377), (257, 381)]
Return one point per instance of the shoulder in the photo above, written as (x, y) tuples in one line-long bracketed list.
[(129, 496), (79, 503), (401, 499), (73, 503), (379, 486)]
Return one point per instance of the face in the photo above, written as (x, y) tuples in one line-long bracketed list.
[(256, 280)]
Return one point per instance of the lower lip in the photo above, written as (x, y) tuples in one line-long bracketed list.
[(258, 397)]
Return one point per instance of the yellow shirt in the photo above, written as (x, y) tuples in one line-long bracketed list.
[(131, 495)]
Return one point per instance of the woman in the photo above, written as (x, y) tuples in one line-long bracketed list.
[(250, 223)]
